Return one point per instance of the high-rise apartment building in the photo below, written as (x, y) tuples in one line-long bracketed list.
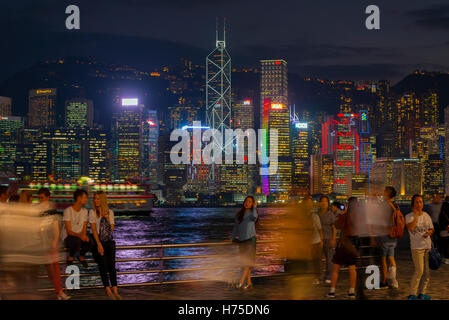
[(5, 106), (79, 114), (42, 107)]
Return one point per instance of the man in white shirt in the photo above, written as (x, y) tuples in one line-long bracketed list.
[(420, 229), (75, 228)]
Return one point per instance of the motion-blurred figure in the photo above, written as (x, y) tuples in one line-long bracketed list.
[(297, 230), (346, 252), (327, 217), (47, 208), (24, 245)]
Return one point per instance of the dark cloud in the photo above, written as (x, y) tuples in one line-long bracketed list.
[(436, 16)]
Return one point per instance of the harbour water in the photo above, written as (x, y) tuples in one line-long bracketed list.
[(187, 225)]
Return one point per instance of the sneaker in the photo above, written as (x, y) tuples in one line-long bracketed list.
[(424, 297), (327, 281), (63, 296), (316, 282), (351, 295), (446, 261), (331, 295), (412, 297)]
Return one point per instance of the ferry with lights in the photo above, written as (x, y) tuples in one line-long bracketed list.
[(123, 198)]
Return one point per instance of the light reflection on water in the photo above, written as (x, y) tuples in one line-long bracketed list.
[(187, 225)]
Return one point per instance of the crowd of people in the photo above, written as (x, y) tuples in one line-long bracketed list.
[(332, 232), (34, 234), (335, 232)]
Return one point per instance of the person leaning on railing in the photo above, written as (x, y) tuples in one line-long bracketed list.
[(101, 220)]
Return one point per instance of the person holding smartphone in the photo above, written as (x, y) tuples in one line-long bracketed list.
[(420, 229)]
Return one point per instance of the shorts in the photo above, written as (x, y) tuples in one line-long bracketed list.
[(388, 246), (344, 258)]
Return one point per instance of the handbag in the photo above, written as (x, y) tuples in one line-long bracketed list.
[(434, 258)]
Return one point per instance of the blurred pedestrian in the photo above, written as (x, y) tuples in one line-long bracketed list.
[(388, 244), (244, 233), (53, 269), (101, 220), (327, 219), (420, 228), (75, 228), (346, 253)]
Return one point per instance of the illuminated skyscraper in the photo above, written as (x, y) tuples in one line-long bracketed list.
[(96, 154), (66, 152), (150, 147), (243, 115), (300, 157), (197, 173), (5, 106), (173, 176), (33, 156), (406, 178), (279, 119), (341, 138), (433, 181), (218, 94), (381, 174), (321, 173), (273, 83), (79, 114), (241, 177), (274, 114), (127, 136), (42, 107), (9, 130)]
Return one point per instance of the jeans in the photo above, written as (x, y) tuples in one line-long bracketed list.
[(421, 276), (328, 254), (106, 263), (75, 244)]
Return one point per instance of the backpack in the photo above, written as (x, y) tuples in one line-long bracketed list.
[(105, 230), (398, 223)]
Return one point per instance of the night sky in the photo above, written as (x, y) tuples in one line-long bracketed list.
[(318, 38)]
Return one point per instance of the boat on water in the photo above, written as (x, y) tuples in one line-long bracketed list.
[(123, 198)]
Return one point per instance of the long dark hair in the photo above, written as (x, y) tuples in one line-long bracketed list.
[(240, 214)]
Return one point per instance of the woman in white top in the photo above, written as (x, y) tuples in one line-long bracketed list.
[(101, 220), (420, 228)]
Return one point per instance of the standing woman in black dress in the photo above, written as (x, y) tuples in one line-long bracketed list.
[(244, 233)]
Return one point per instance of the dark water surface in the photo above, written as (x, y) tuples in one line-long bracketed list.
[(187, 225)]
